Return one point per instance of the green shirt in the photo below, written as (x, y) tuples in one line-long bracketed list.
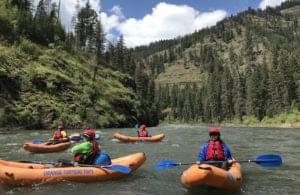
[(83, 148)]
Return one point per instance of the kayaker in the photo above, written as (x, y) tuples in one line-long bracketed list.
[(59, 135), (143, 131), (215, 150), (89, 151)]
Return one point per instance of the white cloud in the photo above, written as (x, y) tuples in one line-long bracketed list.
[(271, 3), (117, 10), (165, 22)]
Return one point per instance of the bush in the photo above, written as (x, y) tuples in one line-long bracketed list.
[(248, 120), (30, 48), (6, 29)]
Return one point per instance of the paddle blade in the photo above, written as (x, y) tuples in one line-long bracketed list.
[(36, 141), (118, 168), (165, 164), (97, 136), (268, 160)]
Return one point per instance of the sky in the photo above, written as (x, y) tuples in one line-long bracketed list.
[(144, 21)]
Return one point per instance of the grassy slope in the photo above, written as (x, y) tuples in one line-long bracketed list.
[(176, 73), (45, 85)]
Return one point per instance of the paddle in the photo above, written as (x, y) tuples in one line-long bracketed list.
[(65, 163), (73, 137), (264, 160), (118, 168)]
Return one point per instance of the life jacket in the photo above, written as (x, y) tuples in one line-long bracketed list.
[(143, 134), (57, 134), (214, 151)]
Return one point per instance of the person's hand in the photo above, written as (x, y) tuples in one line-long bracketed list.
[(230, 161)]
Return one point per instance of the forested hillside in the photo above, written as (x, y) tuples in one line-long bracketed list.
[(48, 74), (246, 69)]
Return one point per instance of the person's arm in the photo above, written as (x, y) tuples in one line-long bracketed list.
[(64, 138), (81, 148), (202, 152), (63, 134), (148, 135), (227, 152)]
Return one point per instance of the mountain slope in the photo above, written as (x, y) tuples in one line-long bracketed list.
[(247, 65)]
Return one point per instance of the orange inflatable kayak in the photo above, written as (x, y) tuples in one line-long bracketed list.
[(213, 176), (124, 138), (43, 148), (14, 173)]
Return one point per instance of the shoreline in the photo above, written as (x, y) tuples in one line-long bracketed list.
[(281, 126)]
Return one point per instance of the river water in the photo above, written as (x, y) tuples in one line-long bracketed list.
[(181, 144)]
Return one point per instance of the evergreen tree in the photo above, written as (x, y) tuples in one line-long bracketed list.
[(99, 38), (227, 94), (187, 105), (253, 93), (173, 101), (239, 97), (41, 24), (85, 26), (120, 54)]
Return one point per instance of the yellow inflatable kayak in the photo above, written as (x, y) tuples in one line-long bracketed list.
[(15, 173), (213, 176), (125, 138), (44, 148)]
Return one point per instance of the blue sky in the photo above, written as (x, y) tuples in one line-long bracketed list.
[(139, 8), (145, 21)]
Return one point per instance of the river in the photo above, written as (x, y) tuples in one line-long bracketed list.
[(181, 144)]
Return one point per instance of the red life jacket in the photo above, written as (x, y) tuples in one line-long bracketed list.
[(214, 151), (143, 134), (57, 134), (95, 149)]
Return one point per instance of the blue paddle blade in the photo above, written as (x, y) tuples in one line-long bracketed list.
[(118, 168), (268, 160), (36, 141), (165, 164), (75, 138)]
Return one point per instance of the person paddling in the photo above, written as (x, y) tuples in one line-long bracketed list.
[(143, 131), (89, 151), (59, 135), (215, 150)]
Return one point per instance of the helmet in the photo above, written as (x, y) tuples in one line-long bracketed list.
[(214, 131), (89, 133)]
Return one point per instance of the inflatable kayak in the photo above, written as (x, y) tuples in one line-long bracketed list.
[(124, 138), (43, 148), (16, 173), (205, 174)]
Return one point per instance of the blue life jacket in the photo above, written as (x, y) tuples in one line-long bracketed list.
[(102, 158)]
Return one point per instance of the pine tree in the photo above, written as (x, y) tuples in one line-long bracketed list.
[(85, 27), (173, 101), (41, 24), (99, 38), (253, 93), (239, 97), (227, 94), (120, 54)]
